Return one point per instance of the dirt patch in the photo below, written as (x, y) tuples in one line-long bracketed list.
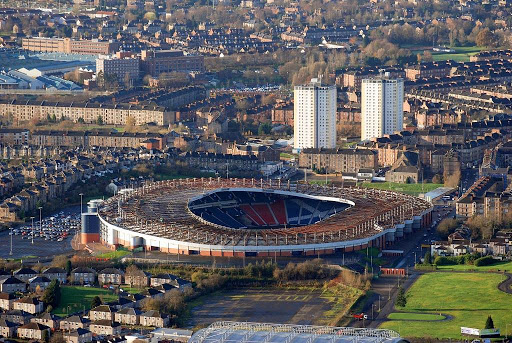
[(262, 305)]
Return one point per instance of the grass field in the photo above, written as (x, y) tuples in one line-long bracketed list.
[(501, 266), (468, 297), (76, 297), (286, 155), (114, 254), (461, 54), (132, 290), (407, 188), (415, 316)]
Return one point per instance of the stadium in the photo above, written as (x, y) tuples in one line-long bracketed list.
[(249, 217)]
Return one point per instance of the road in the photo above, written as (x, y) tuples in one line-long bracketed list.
[(468, 177)]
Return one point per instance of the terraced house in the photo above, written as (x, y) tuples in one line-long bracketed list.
[(114, 114), (110, 276)]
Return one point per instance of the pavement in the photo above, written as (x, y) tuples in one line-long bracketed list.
[(40, 250), (506, 286)]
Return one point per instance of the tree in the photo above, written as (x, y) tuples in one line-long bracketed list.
[(99, 120), (57, 338), (265, 128), (489, 324), (485, 38), (59, 261), (428, 258), (242, 104), (150, 16), (96, 301), (130, 124), (427, 56), (452, 180), (135, 275), (438, 178), (401, 299), (51, 295), (446, 227), (481, 226), (45, 336), (127, 80), (68, 267)]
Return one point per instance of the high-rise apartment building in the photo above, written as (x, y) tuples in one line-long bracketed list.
[(381, 107), (314, 116)]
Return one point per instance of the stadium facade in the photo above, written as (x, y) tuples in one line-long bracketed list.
[(249, 217)]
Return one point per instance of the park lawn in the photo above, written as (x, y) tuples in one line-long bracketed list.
[(461, 54), (286, 155), (501, 266), (114, 254), (468, 297), (407, 188), (78, 297), (132, 290), (414, 316)]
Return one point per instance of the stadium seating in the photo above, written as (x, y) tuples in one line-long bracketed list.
[(279, 211), (263, 209), (292, 211), (251, 214), (243, 197), (264, 212)]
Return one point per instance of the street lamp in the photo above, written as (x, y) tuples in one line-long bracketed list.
[(40, 218), (81, 197), (10, 252), (32, 229)]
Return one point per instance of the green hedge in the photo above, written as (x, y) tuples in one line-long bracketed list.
[(484, 261), (425, 267)]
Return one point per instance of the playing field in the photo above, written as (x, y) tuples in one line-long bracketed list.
[(410, 188), (467, 298), (500, 266), (76, 297), (461, 54), (415, 316), (274, 305), (114, 254)]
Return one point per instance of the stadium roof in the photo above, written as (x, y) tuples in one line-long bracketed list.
[(231, 332), (436, 193)]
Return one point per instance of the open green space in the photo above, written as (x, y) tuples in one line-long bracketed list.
[(114, 254), (286, 155), (415, 316), (499, 266), (78, 298), (461, 54), (132, 290), (468, 297), (407, 188)]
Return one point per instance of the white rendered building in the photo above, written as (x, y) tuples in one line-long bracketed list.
[(314, 116), (381, 107)]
